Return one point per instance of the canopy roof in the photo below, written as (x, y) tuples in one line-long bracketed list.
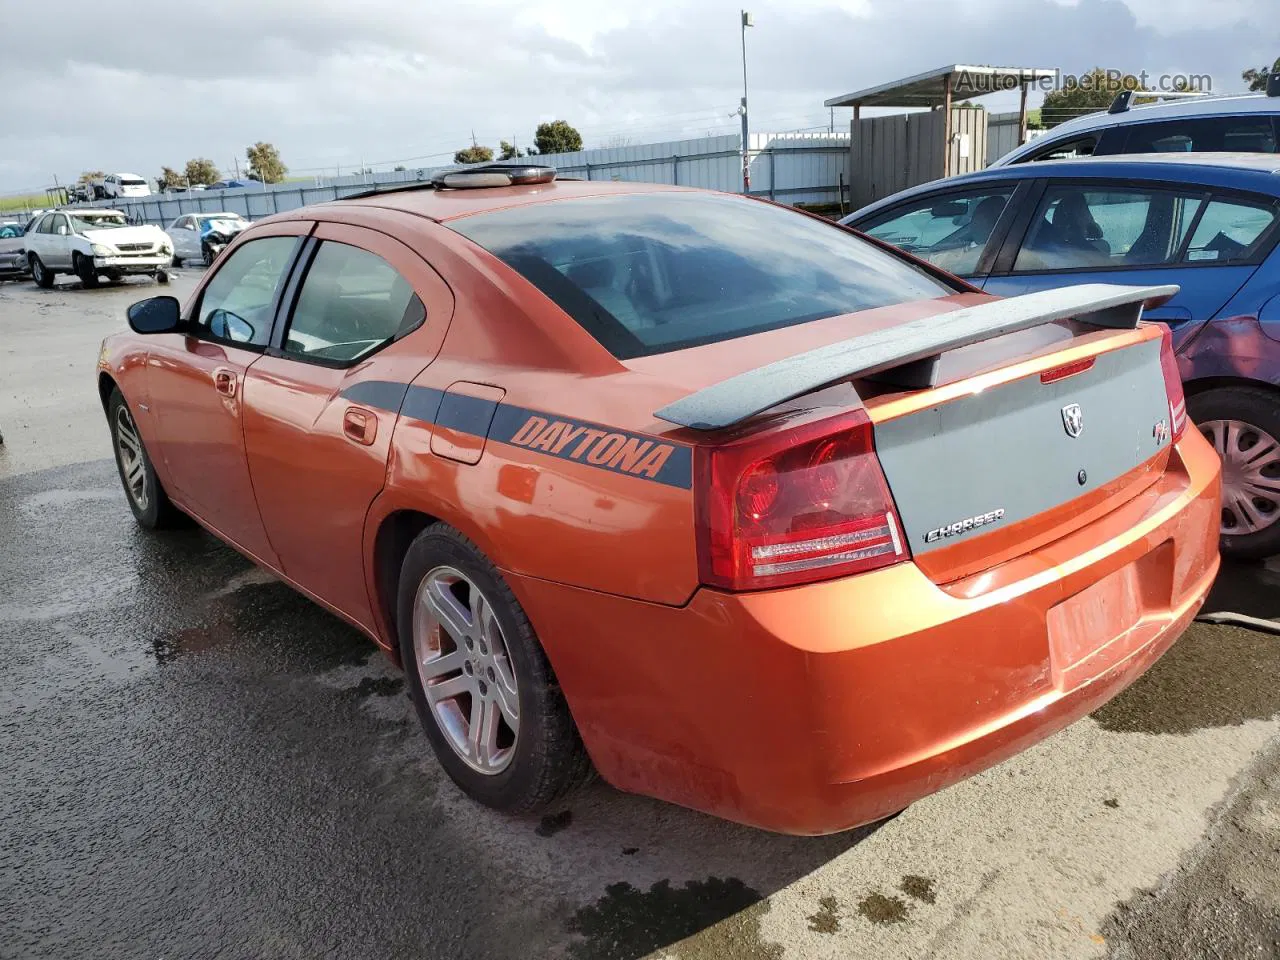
[(929, 89)]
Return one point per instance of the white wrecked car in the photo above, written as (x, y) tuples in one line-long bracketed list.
[(90, 243)]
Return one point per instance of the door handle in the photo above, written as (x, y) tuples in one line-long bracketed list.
[(360, 425), (225, 381)]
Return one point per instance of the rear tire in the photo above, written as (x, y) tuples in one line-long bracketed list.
[(527, 766), (1243, 424), (148, 501), (41, 274), (85, 270)]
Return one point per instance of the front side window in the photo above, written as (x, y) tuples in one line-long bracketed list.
[(1230, 231), (1098, 227), (950, 231), (352, 302), (1204, 135), (58, 224), (237, 304), (648, 273)]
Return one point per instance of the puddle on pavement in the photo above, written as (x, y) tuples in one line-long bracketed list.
[(377, 687), (827, 919), (878, 908), (553, 823), (53, 499), (1214, 676), (918, 888), (708, 919)]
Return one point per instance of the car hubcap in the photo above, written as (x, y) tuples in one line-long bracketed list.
[(466, 670), (133, 464), (1250, 475)]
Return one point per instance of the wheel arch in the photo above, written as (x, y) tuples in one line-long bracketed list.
[(1201, 385), (106, 383), (391, 540)]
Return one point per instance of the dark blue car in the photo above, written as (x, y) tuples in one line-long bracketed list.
[(1208, 222)]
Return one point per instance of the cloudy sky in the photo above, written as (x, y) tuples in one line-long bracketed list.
[(334, 82)]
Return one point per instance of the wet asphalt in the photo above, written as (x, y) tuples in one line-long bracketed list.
[(195, 761)]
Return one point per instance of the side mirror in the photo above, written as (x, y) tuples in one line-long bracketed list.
[(156, 315), (62, 231), (948, 208)]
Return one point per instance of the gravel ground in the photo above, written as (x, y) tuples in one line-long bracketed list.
[(198, 762)]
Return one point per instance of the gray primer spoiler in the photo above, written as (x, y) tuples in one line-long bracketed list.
[(920, 342)]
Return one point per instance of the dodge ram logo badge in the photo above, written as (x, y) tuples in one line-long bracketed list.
[(1073, 419)]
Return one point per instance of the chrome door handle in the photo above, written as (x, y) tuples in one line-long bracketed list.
[(225, 381)]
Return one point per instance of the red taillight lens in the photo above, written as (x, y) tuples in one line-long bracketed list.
[(794, 505), (1172, 384)]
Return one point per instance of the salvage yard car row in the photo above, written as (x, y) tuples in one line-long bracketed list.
[(89, 243)]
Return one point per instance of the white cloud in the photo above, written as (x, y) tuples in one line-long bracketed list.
[(333, 82)]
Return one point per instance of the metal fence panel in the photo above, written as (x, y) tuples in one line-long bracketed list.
[(792, 168)]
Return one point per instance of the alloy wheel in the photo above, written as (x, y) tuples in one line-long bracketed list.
[(466, 670), (1250, 475), (133, 463)]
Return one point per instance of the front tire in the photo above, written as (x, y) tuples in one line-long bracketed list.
[(85, 270), (483, 688), (1243, 425), (148, 501), (41, 274)]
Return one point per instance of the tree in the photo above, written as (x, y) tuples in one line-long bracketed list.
[(1088, 94), (265, 164), (91, 175), (170, 179), (473, 154), (202, 170), (1257, 79), (557, 137), (508, 151)]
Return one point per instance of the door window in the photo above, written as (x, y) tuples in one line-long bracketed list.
[(1229, 231), (1067, 149), (1204, 135), (949, 231), (238, 304), (352, 302), (1089, 227)]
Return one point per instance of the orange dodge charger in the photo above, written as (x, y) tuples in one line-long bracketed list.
[(726, 502)]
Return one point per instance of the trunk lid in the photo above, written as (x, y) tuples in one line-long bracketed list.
[(1013, 461)]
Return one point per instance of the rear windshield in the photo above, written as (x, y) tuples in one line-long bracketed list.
[(649, 273)]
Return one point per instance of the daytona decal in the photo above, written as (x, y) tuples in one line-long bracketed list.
[(595, 445)]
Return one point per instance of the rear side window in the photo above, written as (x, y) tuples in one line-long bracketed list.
[(1230, 231), (650, 273), (1254, 134), (352, 302), (1097, 227)]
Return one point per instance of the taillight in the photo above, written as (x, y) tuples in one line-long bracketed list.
[(794, 505), (1172, 384)]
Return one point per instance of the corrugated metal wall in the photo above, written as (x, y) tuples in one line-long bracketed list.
[(793, 168), (1002, 135), (891, 153)]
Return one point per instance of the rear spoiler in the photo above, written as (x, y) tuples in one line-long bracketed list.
[(916, 344)]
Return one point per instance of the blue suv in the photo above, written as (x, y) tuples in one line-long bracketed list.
[(1207, 222)]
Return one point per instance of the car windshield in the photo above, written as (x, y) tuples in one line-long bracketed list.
[(654, 272), (107, 222), (220, 216)]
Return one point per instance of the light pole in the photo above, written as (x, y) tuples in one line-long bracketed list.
[(746, 162)]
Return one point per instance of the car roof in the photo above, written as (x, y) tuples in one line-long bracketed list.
[(93, 212), (449, 204), (1256, 172), (1224, 106)]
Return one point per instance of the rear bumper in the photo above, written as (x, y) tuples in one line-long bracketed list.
[(817, 708)]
